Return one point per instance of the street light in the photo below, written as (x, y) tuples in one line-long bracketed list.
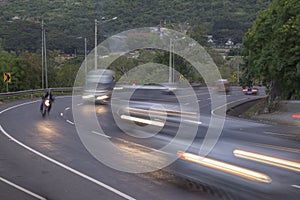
[(172, 58), (85, 51), (170, 63), (96, 53), (85, 55), (96, 43), (85, 59), (44, 57)]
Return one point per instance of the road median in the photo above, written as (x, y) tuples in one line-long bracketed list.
[(286, 113)]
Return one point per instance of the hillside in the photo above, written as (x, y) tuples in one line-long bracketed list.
[(68, 21)]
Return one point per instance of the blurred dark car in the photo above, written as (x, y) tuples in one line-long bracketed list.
[(222, 85), (250, 91)]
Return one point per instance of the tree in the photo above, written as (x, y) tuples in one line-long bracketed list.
[(19, 36), (122, 66), (20, 20), (66, 74), (272, 51)]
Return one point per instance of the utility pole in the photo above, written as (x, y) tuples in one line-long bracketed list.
[(96, 43), (170, 63), (42, 54), (44, 57), (96, 52), (46, 67), (85, 59), (238, 68), (173, 65)]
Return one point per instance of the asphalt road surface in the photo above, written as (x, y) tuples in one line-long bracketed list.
[(45, 158)]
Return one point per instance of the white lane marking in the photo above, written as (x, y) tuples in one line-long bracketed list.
[(58, 163), (22, 189), (61, 114), (277, 147), (79, 104), (296, 186), (225, 105), (19, 105), (68, 108), (67, 167), (101, 134), (70, 122), (27, 103), (272, 133), (194, 122)]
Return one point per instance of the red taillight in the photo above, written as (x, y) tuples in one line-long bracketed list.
[(254, 90), (296, 116), (245, 90)]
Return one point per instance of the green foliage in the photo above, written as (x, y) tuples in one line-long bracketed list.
[(26, 71), (272, 49), (66, 21), (180, 65), (122, 67), (65, 75), (23, 69)]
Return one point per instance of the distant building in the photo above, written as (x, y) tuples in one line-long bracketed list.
[(229, 43), (67, 56), (15, 18), (64, 56)]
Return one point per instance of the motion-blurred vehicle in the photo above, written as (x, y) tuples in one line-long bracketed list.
[(250, 91), (222, 85), (169, 88), (99, 86), (46, 105)]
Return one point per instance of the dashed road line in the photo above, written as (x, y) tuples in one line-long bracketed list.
[(101, 134), (68, 108), (296, 186), (282, 134), (70, 122), (125, 196)]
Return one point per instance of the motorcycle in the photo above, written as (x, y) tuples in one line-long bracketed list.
[(46, 104)]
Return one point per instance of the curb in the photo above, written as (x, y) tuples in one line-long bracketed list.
[(234, 104)]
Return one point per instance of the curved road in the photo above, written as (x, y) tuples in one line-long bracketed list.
[(45, 158)]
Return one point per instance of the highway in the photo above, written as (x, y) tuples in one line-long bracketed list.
[(46, 158)]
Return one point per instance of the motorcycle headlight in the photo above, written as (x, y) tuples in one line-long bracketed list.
[(47, 102)]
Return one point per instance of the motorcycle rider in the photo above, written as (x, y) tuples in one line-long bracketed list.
[(47, 95)]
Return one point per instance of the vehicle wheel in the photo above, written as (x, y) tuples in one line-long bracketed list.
[(44, 113)]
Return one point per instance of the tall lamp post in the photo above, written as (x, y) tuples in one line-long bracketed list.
[(42, 54), (170, 63), (172, 59), (96, 43), (44, 57), (96, 52), (85, 55), (85, 59)]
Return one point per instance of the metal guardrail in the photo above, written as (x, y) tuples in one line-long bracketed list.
[(31, 92)]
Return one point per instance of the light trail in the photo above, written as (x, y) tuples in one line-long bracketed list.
[(271, 160), (225, 167)]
